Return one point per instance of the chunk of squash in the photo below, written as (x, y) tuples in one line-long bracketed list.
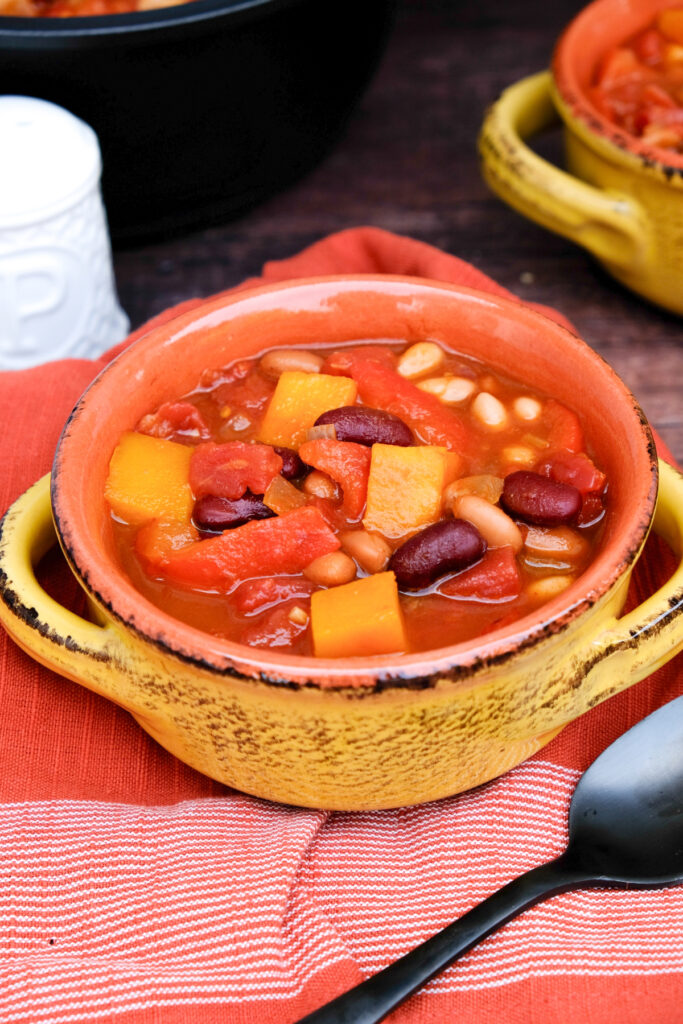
[(405, 488), (298, 400), (149, 479), (360, 618)]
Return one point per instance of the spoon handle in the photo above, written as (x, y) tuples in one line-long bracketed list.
[(374, 998)]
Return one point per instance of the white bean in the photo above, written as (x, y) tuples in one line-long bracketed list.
[(283, 360), (320, 485), (370, 551), (519, 455), (526, 408), (490, 411), (424, 357), (547, 587), (558, 542), (331, 570), (495, 526), (449, 390)]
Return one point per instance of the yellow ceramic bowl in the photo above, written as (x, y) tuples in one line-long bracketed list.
[(349, 733), (621, 200)]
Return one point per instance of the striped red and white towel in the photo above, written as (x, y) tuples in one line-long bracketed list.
[(135, 891)]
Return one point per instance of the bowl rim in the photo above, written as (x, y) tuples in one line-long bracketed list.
[(135, 22), (422, 669), (595, 129)]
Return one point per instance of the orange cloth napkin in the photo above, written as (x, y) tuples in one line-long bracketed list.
[(135, 890)]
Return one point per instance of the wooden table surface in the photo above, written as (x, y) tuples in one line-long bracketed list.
[(408, 163)]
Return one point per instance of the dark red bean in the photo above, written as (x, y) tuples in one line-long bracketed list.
[(367, 426), (292, 466), (212, 514), (439, 549), (538, 500)]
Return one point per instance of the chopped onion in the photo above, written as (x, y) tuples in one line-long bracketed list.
[(324, 430), (282, 496)]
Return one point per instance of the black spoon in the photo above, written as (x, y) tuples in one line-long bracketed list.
[(625, 829)]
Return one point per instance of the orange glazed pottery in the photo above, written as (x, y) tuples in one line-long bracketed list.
[(622, 199), (351, 733)]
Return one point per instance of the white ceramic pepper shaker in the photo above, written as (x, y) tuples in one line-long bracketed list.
[(57, 292)]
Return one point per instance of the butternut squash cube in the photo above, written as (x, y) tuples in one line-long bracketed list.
[(405, 487), (360, 618), (148, 479), (298, 400)]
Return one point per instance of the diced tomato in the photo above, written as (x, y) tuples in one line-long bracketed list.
[(617, 64), (212, 379), (495, 578), (648, 46), (257, 595), (275, 628), (592, 508), (175, 421), (347, 463), (341, 362), (384, 388), (572, 468), (564, 429), (229, 470), (249, 394), (263, 547)]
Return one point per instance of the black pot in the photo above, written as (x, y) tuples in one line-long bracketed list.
[(203, 109)]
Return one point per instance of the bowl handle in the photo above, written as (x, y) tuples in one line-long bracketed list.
[(610, 224), (92, 654), (647, 637)]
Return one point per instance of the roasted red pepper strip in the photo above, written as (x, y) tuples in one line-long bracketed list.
[(495, 578), (347, 463), (229, 470), (263, 547), (383, 388), (572, 468)]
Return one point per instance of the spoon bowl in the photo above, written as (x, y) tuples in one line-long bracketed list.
[(626, 814), (625, 829)]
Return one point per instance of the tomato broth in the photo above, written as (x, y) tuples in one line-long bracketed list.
[(367, 499)]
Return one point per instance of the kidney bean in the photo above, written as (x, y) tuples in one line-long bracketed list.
[(292, 466), (439, 549), (539, 500), (367, 426), (212, 514)]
